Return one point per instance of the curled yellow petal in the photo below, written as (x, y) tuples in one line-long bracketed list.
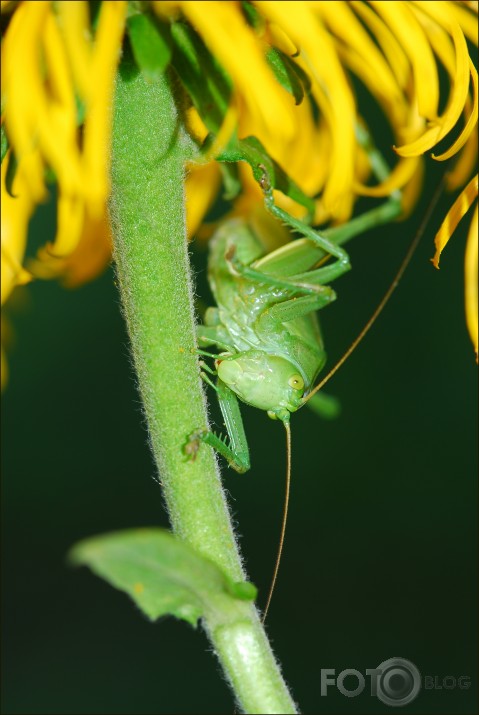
[(455, 105), (467, 20), (465, 164), (454, 215), (70, 214), (470, 124), (387, 41), (363, 55), (471, 282), (74, 22), (399, 176), (92, 254), (20, 93), (16, 214), (97, 127), (280, 39), (202, 184), (412, 38)]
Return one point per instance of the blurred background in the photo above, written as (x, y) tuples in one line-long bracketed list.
[(380, 557)]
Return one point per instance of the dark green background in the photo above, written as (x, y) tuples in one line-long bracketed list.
[(380, 557)]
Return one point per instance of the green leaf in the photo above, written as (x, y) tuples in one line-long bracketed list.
[(4, 142), (326, 406), (161, 573), (11, 172), (253, 152), (285, 72), (151, 44), (206, 83), (252, 16)]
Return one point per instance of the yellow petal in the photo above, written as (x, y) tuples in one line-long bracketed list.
[(357, 46), (70, 214), (20, 79), (386, 39), (399, 176), (470, 124), (97, 126), (74, 22), (202, 184), (412, 38), (92, 254), (454, 215), (195, 125), (16, 214), (471, 281), (455, 105), (465, 164), (280, 39), (467, 20)]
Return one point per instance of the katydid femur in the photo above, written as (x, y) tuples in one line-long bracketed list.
[(269, 348)]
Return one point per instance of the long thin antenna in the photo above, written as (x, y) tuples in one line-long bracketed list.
[(405, 262), (283, 523)]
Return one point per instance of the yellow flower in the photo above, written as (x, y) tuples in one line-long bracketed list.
[(58, 67)]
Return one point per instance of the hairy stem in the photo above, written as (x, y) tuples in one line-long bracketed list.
[(147, 210)]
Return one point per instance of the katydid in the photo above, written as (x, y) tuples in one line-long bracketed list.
[(264, 326), (268, 348)]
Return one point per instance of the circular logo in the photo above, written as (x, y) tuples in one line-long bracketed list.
[(399, 682)]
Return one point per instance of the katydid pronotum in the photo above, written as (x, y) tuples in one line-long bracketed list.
[(269, 348)]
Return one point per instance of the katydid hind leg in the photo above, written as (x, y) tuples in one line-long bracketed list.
[(295, 308), (308, 282)]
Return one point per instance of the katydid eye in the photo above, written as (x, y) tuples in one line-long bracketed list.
[(296, 381)]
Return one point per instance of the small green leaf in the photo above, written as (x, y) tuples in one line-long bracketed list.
[(10, 175), (161, 573), (151, 44), (284, 71), (4, 142), (253, 152), (81, 110), (326, 406), (244, 590), (252, 16)]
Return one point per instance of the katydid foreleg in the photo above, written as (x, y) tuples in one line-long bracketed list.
[(236, 452)]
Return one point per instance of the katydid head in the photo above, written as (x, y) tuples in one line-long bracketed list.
[(268, 382)]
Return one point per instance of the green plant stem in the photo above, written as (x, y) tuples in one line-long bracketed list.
[(147, 210)]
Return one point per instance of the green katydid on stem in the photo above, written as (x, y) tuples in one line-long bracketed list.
[(265, 327)]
